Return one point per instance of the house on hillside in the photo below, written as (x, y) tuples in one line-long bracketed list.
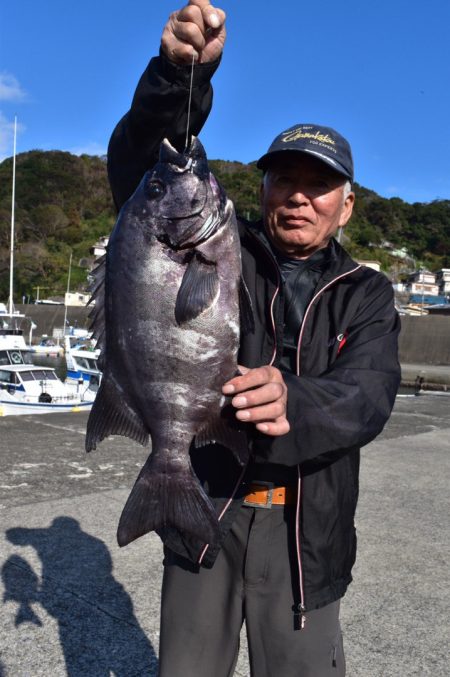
[(99, 247), (422, 282), (375, 265), (443, 280), (76, 299)]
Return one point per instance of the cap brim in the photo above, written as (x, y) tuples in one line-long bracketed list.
[(267, 159)]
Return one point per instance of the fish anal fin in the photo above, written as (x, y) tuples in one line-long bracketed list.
[(161, 499), (199, 288), (225, 430), (112, 415), (247, 319)]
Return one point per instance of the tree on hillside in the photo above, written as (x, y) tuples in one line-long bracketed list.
[(63, 205)]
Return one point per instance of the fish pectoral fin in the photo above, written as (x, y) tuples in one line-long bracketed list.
[(227, 431), (112, 415), (199, 288), (164, 498), (246, 316)]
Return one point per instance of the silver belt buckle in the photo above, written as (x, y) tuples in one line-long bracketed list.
[(270, 486)]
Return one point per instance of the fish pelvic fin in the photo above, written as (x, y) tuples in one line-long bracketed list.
[(226, 430), (161, 498), (111, 415)]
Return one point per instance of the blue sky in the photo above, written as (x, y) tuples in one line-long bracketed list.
[(378, 72)]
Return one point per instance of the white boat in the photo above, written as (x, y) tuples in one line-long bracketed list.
[(82, 363), (47, 347), (13, 349), (28, 389)]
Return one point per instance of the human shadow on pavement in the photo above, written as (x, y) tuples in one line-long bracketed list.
[(98, 630)]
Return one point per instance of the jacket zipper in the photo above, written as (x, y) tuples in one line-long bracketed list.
[(238, 483), (301, 606)]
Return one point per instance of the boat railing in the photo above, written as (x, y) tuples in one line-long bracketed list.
[(43, 396)]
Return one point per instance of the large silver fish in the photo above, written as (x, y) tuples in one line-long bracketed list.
[(168, 302)]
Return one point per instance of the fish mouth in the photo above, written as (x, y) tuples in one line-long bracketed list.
[(194, 204)]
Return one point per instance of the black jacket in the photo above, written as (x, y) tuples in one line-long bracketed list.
[(347, 366)]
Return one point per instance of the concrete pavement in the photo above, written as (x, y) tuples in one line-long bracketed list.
[(75, 604)]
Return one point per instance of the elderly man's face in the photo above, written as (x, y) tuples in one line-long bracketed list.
[(303, 204)]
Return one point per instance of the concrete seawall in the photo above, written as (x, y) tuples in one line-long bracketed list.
[(49, 317), (423, 339)]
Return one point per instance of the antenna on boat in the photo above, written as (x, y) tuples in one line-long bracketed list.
[(11, 260)]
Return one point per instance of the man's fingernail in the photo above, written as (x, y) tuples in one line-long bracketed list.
[(228, 390), (263, 427), (240, 402), (243, 415), (214, 20)]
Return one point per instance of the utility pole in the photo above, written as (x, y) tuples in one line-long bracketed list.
[(67, 292), (37, 292)]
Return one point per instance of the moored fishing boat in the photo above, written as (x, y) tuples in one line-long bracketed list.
[(13, 349), (48, 348), (81, 363), (28, 389)]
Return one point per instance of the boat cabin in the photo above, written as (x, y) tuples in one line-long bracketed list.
[(31, 383)]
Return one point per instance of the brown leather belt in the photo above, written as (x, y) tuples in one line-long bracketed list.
[(265, 495)]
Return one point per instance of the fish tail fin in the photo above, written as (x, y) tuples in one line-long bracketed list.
[(165, 497)]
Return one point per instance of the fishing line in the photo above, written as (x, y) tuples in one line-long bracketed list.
[(207, 33), (189, 102)]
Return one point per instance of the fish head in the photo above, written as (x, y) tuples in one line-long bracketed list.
[(185, 203)]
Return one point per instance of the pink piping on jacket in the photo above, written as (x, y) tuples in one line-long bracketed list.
[(299, 490), (225, 508), (299, 485)]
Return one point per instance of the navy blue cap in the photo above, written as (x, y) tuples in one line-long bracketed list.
[(324, 143)]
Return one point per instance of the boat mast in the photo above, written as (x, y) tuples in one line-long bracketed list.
[(11, 260), (65, 298)]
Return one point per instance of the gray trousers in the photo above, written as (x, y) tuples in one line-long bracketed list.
[(202, 610)]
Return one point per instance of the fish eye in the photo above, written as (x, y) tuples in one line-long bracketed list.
[(155, 190)]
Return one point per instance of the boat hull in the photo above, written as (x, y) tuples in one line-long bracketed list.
[(17, 408)]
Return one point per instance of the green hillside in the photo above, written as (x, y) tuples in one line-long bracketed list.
[(63, 205)]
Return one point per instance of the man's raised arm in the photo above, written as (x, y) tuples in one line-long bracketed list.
[(160, 103)]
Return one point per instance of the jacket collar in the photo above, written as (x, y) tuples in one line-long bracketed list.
[(340, 261)]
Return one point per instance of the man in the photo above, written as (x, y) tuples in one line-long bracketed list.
[(320, 381)]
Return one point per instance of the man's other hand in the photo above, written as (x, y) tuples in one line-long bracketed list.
[(260, 397), (198, 28)]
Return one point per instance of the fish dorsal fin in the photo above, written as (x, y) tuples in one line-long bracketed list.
[(199, 288), (97, 313), (225, 430), (247, 318)]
